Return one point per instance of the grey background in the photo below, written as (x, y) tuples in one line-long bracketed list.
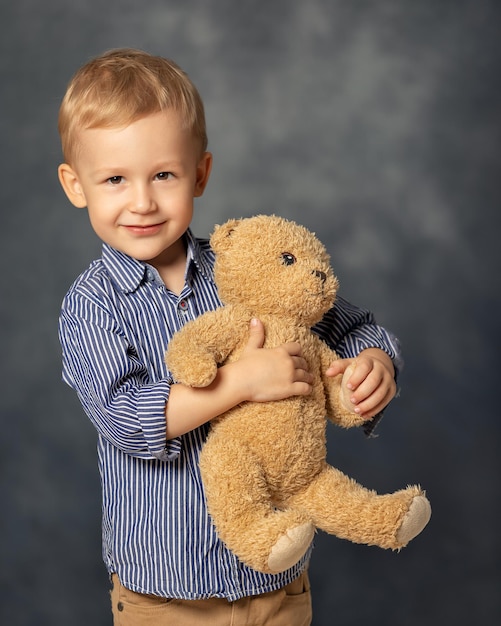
[(376, 124)]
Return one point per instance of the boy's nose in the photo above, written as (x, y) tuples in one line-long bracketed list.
[(142, 200)]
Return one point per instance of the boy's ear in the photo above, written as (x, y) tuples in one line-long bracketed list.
[(203, 172), (71, 185)]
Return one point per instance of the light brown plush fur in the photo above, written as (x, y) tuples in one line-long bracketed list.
[(267, 482)]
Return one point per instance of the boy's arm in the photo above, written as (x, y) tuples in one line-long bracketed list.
[(123, 398), (129, 407), (259, 375)]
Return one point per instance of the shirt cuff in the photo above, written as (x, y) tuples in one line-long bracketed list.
[(151, 415)]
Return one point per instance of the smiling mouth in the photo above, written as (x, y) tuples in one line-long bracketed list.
[(150, 229)]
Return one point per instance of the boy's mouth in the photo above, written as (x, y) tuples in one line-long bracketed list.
[(149, 229)]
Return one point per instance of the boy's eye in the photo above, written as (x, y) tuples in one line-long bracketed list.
[(288, 258), (115, 180), (164, 175)]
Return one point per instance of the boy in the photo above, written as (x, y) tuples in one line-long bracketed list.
[(135, 147)]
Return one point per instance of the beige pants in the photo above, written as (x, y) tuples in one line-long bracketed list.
[(290, 606)]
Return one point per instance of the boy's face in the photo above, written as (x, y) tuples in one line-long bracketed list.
[(138, 184)]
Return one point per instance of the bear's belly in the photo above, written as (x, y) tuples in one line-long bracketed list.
[(286, 439)]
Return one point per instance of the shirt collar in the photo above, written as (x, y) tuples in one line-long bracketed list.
[(128, 273), (201, 255)]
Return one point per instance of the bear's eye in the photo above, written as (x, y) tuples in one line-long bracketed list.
[(288, 258)]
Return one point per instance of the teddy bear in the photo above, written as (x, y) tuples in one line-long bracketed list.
[(267, 483)]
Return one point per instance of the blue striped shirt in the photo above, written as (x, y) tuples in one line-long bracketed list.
[(115, 324)]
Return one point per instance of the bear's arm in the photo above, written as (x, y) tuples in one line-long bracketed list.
[(195, 352), (339, 407)]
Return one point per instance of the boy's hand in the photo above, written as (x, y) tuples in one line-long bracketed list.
[(369, 379), (273, 373)]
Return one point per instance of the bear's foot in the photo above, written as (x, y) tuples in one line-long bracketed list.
[(415, 520), (290, 547)]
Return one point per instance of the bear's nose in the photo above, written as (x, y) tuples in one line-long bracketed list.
[(320, 274)]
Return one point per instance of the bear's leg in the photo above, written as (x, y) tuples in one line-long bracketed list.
[(340, 506), (265, 538)]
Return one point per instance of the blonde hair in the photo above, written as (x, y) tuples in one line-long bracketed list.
[(123, 85)]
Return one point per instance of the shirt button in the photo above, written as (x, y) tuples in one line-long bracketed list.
[(183, 305)]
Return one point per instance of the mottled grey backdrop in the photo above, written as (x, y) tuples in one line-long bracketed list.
[(376, 124)]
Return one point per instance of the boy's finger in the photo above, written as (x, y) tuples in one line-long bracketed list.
[(256, 334), (338, 367), (356, 374)]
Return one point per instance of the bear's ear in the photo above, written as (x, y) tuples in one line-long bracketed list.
[(221, 237)]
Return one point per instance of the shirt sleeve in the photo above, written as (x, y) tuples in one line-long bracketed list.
[(348, 330), (117, 393)]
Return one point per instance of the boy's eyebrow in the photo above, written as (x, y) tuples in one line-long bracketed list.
[(160, 167), (169, 164)]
